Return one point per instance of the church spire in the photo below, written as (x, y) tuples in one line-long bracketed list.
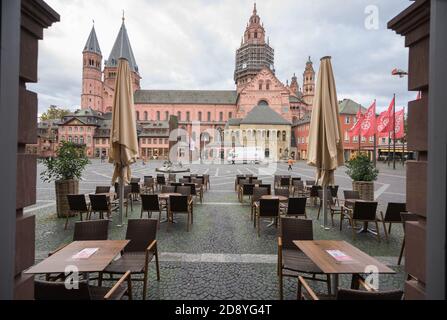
[(122, 49), (92, 44)]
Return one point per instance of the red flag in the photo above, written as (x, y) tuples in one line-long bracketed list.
[(400, 124), (368, 127), (355, 130), (385, 120)]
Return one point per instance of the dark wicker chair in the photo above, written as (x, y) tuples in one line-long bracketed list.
[(182, 205), (258, 192), (99, 203), (239, 177), (141, 249), (46, 290), (313, 193), (184, 180), (284, 182), (298, 189), (161, 180), (246, 190), (268, 186), (198, 185), (291, 260), (348, 294), (363, 211), (102, 189), (135, 180), (296, 207), (172, 177), (135, 191), (149, 184), (168, 189), (392, 215), (150, 203), (184, 190), (350, 194), (284, 192), (77, 205), (267, 208), (331, 203)]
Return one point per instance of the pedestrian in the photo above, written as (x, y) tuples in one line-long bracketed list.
[(290, 162)]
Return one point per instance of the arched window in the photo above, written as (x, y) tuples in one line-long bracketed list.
[(261, 84), (263, 103), (267, 86), (209, 116), (256, 35), (284, 136), (158, 115), (145, 115), (220, 116), (179, 116), (187, 116), (138, 115), (200, 115), (167, 115)]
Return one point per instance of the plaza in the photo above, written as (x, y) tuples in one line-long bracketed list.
[(222, 257)]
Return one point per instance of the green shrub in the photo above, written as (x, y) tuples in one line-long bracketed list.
[(69, 163), (361, 168)]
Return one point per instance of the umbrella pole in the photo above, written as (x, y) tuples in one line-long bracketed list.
[(121, 197), (325, 217)]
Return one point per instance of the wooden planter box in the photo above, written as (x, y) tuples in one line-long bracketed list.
[(63, 188), (365, 189)]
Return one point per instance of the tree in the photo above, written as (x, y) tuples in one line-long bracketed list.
[(54, 113)]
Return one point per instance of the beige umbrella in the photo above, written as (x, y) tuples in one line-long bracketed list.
[(123, 138), (325, 134)]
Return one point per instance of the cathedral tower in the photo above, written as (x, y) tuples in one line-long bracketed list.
[(294, 86), (254, 54), (121, 49), (309, 83), (91, 74)]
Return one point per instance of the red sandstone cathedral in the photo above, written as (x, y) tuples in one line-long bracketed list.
[(260, 107)]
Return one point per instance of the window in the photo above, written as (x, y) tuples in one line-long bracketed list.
[(75, 140), (158, 116), (104, 141), (346, 136), (160, 141), (383, 140), (149, 141), (363, 139), (145, 115), (138, 115), (187, 116), (220, 116), (70, 139), (256, 35), (356, 139), (81, 129), (143, 141), (166, 141), (284, 136), (76, 129), (81, 140), (209, 116), (267, 86), (230, 115), (371, 139), (261, 84), (167, 115), (179, 116), (89, 129), (89, 140), (200, 116)]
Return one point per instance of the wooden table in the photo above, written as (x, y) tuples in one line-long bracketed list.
[(273, 197), (58, 262), (360, 263)]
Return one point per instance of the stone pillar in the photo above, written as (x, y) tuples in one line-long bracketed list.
[(35, 16), (414, 24)]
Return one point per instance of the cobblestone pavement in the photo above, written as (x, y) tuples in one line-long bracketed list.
[(222, 256)]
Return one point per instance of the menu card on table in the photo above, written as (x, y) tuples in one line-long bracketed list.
[(339, 256), (85, 254)]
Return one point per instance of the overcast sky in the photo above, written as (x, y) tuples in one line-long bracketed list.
[(191, 44)]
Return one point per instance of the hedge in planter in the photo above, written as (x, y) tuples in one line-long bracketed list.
[(363, 173), (65, 170)]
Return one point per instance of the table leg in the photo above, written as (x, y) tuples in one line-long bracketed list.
[(334, 280)]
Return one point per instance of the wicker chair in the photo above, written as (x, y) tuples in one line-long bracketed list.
[(239, 177), (149, 184), (135, 191), (51, 290), (150, 203), (184, 190), (172, 177), (296, 207), (168, 189), (102, 189), (285, 182), (258, 192), (182, 205), (331, 203), (392, 215), (291, 260), (363, 211), (298, 188), (267, 208), (268, 186), (198, 185), (348, 294), (284, 192), (136, 256), (99, 203), (77, 204), (184, 180), (161, 181)]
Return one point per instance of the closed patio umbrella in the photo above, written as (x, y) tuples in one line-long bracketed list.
[(325, 134), (123, 137)]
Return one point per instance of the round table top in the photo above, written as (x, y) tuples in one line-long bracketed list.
[(167, 195), (272, 197)]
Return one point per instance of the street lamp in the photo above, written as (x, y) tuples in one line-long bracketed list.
[(400, 73)]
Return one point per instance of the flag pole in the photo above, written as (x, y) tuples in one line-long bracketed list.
[(360, 132), (375, 138), (394, 133)]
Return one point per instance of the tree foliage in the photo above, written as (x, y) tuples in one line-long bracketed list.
[(69, 163), (361, 168), (54, 113)]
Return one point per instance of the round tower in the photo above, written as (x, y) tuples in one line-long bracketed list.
[(309, 83), (92, 85)]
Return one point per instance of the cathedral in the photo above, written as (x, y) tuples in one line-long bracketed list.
[(258, 94)]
